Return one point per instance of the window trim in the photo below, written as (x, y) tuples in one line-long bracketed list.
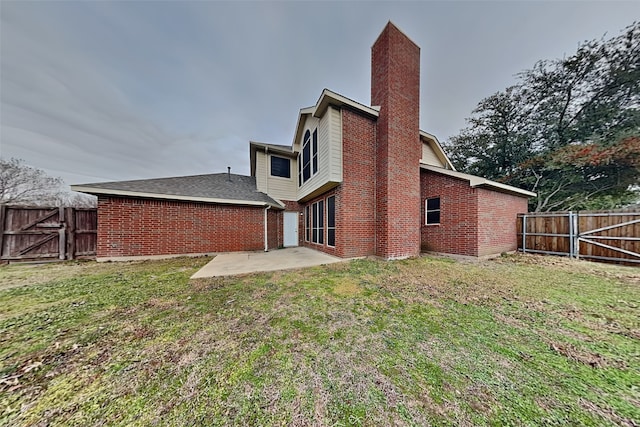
[(427, 211)]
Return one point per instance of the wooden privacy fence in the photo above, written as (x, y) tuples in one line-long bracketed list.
[(38, 233), (610, 236)]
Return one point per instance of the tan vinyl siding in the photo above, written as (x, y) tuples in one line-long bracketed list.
[(335, 143), (429, 156), (261, 169), (322, 176), (283, 188)]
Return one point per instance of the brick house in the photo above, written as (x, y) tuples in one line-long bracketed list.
[(357, 180)]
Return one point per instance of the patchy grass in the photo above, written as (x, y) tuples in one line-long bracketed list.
[(518, 341)]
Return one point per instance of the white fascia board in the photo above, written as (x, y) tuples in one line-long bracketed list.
[(106, 191), (262, 147), (476, 181), (303, 112), (329, 97), (438, 148)]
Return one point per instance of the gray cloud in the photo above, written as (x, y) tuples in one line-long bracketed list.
[(123, 90)]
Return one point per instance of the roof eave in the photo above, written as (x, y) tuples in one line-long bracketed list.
[(329, 97), (125, 193), (259, 146), (438, 149), (477, 181)]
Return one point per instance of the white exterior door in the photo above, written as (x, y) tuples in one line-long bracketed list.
[(290, 229)]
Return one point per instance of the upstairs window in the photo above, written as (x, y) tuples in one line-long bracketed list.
[(432, 211), (308, 158), (280, 167)]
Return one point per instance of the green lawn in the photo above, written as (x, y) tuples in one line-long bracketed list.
[(521, 340)]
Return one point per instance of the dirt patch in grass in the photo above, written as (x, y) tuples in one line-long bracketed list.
[(571, 352), (347, 287)]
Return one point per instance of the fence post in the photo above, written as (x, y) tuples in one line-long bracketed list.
[(3, 210), (70, 220), (571, 246), (576, 235), (62, 234), (524, 233)]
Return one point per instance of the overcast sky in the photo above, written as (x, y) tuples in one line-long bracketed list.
[(106, 91)]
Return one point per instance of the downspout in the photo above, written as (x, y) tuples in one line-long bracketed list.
[(266, 238)]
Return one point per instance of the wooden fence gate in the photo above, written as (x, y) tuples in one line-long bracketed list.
[(38, 233), (610, 236)]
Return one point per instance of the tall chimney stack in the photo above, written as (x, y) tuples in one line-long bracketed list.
[(395, 88)]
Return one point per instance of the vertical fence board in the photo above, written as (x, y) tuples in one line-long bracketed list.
[(3, 209)]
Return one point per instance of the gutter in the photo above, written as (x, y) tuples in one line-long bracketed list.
[(266, 236)]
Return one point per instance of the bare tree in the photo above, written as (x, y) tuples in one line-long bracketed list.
[(76, 200), (23, 184)]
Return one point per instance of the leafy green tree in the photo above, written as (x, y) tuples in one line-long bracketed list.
[(568, 130)]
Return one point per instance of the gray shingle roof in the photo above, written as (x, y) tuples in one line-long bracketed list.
[(239, 188)]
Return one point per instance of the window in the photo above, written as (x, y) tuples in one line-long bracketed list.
[(314, 222), (314, 151), (317, 230), (432, 211), (280, 167), (308, 158), (307, 223), (331, 221)]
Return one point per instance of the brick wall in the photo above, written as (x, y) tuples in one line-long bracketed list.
[(457, 232), (143, 227), (473, 221), (497, 221), (395, 87), (356, 196), (274, 229)]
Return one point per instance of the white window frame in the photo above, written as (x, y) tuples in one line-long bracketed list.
[(427, 210)]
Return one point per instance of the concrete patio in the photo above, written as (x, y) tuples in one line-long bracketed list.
[(231, 264)]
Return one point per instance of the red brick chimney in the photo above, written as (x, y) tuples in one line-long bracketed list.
[(395, 87)]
